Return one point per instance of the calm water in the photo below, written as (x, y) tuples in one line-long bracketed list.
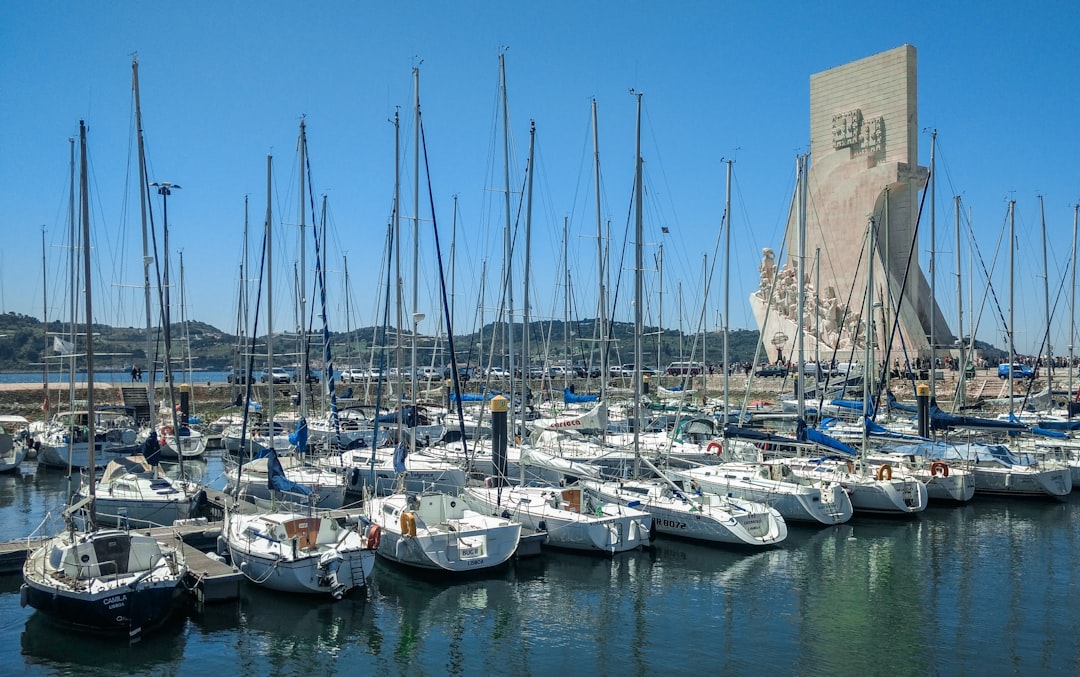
[(989, 588)]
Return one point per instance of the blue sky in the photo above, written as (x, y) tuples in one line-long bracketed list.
[(224, 84)]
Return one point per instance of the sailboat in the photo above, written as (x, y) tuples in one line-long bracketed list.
[(438, 529), (675, 511), (12, 447), (102, 579), (133, 491), (291, 547), (571, 517)]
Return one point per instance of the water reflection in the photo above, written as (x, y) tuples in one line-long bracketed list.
[(56, 648)]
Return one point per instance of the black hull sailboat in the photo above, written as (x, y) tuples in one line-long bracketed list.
[(102, 579)]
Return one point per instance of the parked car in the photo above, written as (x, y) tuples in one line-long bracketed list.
[(312, 376), (464, 372), (277, 375), (496, 373), (768, 370), (1018, 371), (237, 377), (685, 369)]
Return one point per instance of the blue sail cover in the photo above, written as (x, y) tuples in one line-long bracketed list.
[(897, 405), (483, 396), (401, 452), (276, 479), (754, 435), (151, 449), (855, 405), (807, 434), (1060, 425), (939, 420), (569, 397), (299, 437)]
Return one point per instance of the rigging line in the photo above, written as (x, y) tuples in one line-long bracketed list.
[(989, 284), (248, 380), (895, 302), (390, 244), (1046, 338), (445, 300)]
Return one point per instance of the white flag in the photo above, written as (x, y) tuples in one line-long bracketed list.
[(63, 347)]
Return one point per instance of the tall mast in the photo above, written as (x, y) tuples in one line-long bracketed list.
[(727, 287), (1046, 304), (933, 267), (85, 216), (416, 316), (399, 351), (269, 298), (147, 259), (1012, 297), (868, 321), (525, 277), (568, 354), (508, 285), (303, 276), (961, 392), (800, 259), (660, 304), (601, 296), (45, 403), (73, 278), (1072, 301), (639, 300)]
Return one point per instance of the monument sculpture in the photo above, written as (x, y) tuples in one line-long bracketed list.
[(863, 168)]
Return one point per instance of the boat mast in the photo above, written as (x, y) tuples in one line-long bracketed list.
[(933, 266), (269, 300), (961, 390), (638, 288), (399, 351), (1012, 250), (147, 259), (525, 277), (1046, 304), (508, 287), (91, 422), (416, 314), (868, 323), (1072, 305), (302, 380), (727, 290), (45, 403), (601, 300), (73, 278), (800, 259)]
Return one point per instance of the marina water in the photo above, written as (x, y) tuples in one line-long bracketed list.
[(987, 588)]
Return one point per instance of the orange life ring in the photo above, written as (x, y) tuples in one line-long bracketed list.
[(884, 472), (715, 448), (939, 469), (167, 430), (374, 536)]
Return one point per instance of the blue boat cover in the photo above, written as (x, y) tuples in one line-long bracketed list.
[(275, 475), (299, 437)]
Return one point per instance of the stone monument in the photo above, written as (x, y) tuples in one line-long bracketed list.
[(864, 135)]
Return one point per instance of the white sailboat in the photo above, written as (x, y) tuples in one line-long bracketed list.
[(437, 530), (796, 498), (695, 514), (12, 448), (294, 550)]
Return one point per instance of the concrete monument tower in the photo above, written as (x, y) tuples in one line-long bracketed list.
[(863, 166)]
